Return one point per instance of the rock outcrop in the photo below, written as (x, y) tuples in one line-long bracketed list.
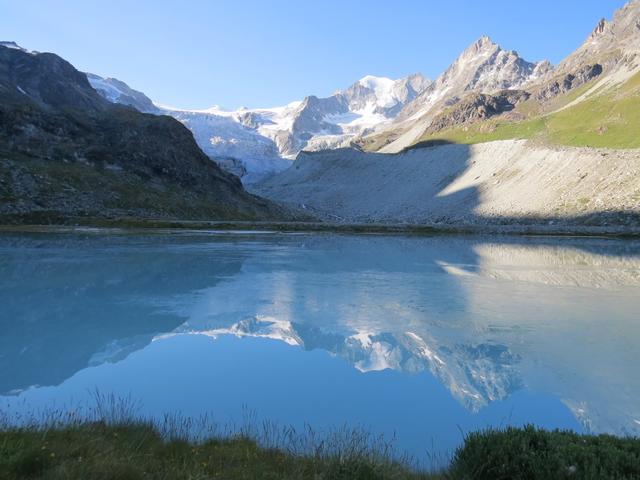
[(568, 82), (478, 107)]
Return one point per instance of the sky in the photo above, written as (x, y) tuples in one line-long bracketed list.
[(262, 53)]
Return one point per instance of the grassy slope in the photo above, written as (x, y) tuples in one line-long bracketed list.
[(137, 451), (610, 119)]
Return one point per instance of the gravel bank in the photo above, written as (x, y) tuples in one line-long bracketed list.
[(508, 182)]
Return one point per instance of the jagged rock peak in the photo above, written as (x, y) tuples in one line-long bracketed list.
[(600, 28), (484, 42), (542, 68), (613, 43), (484, 45)]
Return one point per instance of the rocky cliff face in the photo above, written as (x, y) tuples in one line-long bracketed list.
[(66, 151), (477, 107), (611, 42), (564, 83)]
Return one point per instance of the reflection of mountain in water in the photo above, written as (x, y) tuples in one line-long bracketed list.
[(406, 352), (71, 301), (487, 318)]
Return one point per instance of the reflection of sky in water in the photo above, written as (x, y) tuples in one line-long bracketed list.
[(419, 336)]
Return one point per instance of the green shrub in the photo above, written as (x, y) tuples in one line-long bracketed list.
[(532, 453)]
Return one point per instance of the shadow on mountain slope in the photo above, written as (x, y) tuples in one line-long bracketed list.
[(498, 183), (353, 186)]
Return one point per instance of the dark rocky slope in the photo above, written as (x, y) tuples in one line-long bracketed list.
[(477, 106), (66, 152)]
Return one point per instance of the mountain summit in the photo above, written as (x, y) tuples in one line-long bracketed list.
[(387, 115), (483, 67), (611, 42)]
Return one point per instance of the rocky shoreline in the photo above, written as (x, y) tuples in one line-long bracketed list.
[(133, 225)]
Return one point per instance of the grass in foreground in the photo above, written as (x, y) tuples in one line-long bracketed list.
[(531, 453), (138, 451)]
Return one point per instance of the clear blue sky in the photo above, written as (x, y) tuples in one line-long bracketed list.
[(259, 53)]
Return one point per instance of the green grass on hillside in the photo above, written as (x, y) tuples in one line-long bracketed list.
[(608, 120)]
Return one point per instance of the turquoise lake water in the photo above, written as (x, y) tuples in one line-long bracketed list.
[(418, 338)]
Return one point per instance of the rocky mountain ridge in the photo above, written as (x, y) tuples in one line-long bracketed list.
[(255, 142), (380, 114), (261, 138), (609, 58), (66, 151)]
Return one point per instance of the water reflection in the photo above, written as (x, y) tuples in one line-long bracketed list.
[(490, 330)]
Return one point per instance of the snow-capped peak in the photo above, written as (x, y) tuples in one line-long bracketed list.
[(385, 90), (376, 83), (13, 45), (264, 140)]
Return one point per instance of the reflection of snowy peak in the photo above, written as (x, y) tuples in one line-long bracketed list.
[(486, 317), (475, 375), (260, 327), (510, 342)]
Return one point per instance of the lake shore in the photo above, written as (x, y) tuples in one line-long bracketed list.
[(550, 228)]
